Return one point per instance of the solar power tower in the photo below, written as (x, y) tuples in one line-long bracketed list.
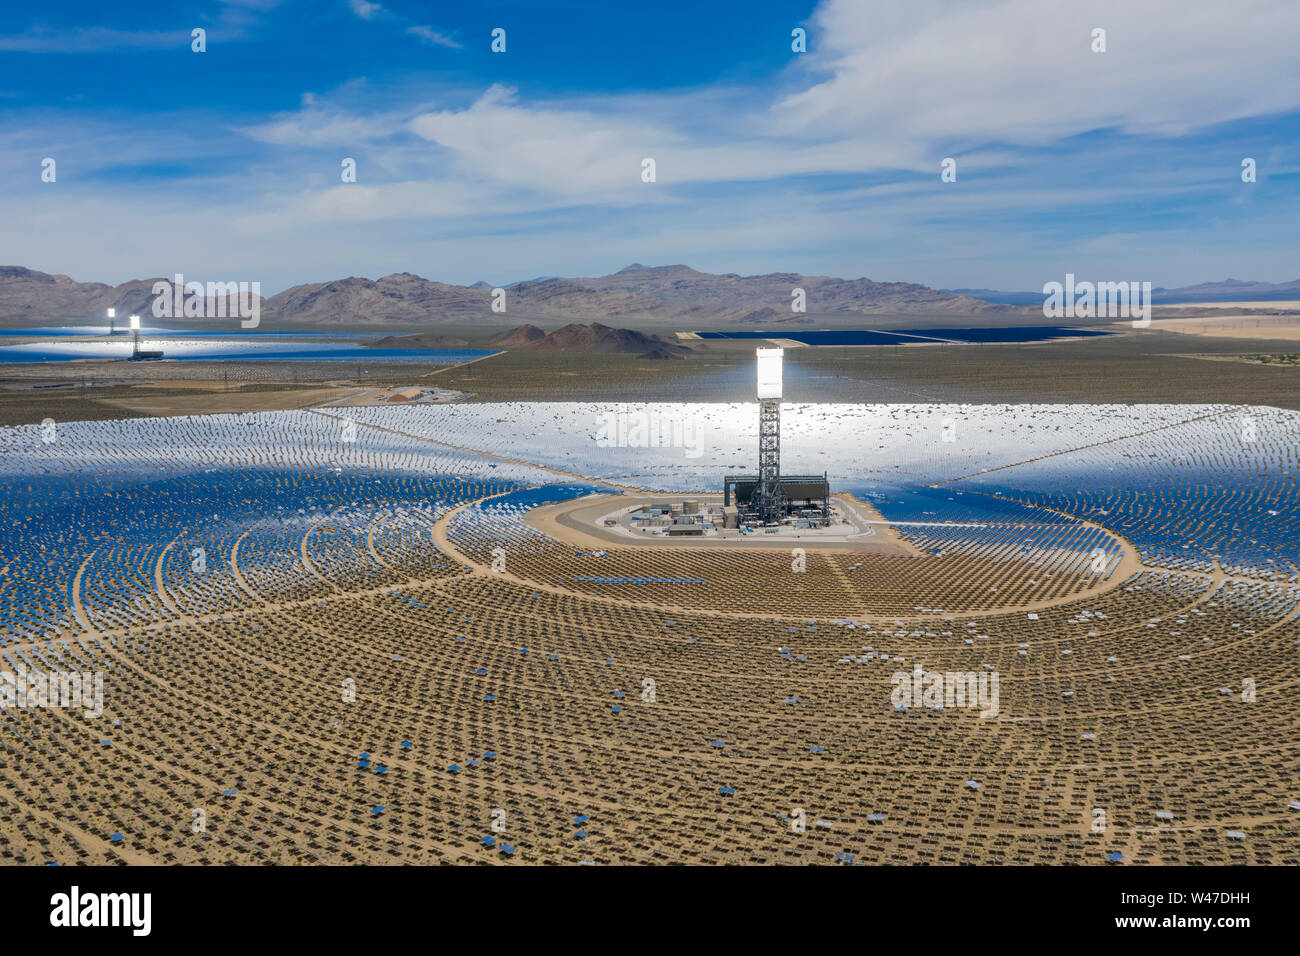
[(770, 503)]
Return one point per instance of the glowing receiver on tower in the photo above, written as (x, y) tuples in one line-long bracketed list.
[(769, 372)]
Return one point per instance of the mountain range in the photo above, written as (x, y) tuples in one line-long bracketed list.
[(676, 293), (666, 293)]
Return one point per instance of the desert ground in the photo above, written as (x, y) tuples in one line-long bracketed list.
[(1280, 328), (1134, 365)]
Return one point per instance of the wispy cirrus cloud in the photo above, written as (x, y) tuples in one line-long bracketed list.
[(365, 9), (370, 11), (235, 17), (429, 35), (91, 40)]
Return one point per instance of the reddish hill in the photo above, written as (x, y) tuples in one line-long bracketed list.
[(523, 337), (595, 337)]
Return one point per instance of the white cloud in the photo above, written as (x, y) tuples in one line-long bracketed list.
[(568, 152), (429, 35), (1023, 71), (594, 153), (364, 9), (323, 125)]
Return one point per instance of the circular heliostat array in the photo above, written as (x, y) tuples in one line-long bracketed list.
[(301, 641)]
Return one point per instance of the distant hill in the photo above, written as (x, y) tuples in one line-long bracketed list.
[(1229, 290), (1002, 298), (398, 299), (574, 337), (524, 337), (677, 294), (766, 298), (589, 338), (420, 340), (26, 294)]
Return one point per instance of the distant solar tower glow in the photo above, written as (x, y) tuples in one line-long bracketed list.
[(112, 317), (135, 335), (769, 433)]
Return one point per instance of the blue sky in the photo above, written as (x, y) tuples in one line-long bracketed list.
[(501, 166)]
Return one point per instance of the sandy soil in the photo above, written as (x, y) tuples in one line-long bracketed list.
[(362, 397), (575, 522), (1246, 360), (1275, 327), (1280, 304), (201, 401)]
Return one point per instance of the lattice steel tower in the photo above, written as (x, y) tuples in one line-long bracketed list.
[(770, 502)]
